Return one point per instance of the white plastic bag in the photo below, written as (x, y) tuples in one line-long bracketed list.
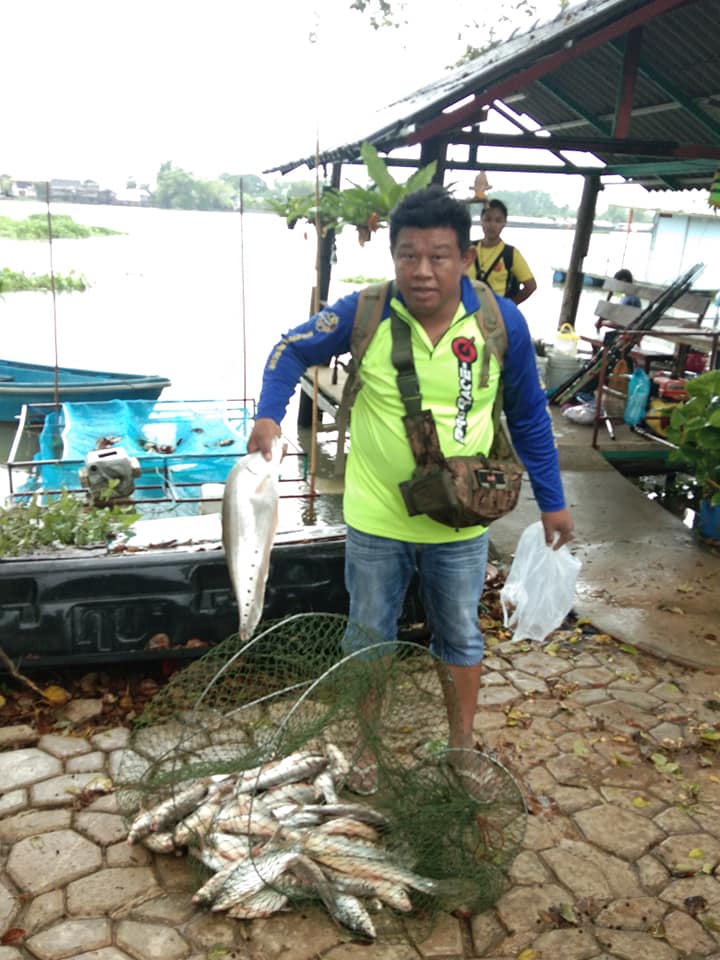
[(539, 591)]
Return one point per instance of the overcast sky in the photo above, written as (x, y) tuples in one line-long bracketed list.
[(106, 90)]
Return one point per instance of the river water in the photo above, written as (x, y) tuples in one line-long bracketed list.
[(168, 296), (201, 298)]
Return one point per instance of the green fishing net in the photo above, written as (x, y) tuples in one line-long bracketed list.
[(457, 817)]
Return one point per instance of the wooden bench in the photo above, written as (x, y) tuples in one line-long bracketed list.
[(678, 331), (330, 382)]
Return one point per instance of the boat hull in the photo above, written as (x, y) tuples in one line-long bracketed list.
[(24, 383)]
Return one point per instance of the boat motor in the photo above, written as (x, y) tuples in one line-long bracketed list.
[(109, 474)]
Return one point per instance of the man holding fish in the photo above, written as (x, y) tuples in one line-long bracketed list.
[(431, 251)]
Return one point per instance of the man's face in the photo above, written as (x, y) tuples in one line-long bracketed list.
[(493, 223), (428, 269)]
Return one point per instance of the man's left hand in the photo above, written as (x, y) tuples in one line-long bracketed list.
[(558, 526)]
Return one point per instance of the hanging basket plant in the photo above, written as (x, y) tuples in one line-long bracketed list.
[(365, 208)]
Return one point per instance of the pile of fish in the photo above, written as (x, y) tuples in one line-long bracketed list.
[(278, 833)]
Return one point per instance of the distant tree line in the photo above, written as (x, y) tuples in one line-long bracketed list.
[(178, 189)]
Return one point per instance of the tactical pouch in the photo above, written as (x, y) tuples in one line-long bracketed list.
[(458, 491)]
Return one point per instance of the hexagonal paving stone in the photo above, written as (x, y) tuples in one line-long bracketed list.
[(9, 907), (105, 891), (689, 853), (51, 860), (151, 941), (70, 939), (622, 832), (20, 768)]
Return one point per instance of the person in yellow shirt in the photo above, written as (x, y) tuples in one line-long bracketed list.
[(498, 264)]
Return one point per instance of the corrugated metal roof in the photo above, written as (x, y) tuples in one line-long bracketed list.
[(565, 75)]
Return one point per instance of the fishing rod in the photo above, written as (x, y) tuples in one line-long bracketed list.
[(619, 343), (56, 375), (242, 290)]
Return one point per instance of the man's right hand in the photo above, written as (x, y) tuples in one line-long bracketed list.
[(262, 436)]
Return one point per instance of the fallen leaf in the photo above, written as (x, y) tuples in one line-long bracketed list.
[(629, 648), (710, 735), (579, 749), (12, 935), (619, 760), (640, 802), (695, 905), (56, 695), (685, 588), (696, 854), (528, 954)]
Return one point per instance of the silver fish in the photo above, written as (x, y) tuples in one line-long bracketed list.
[(295, 767), (349, 911), (140, 827), (392, 894), (178, 805), (324, 787), (212, 887), (349, 827), (288, 793), (227, 846), (338, 762), (249, 522), (159, 842), (377, 870), (343, 907), (356, 810), (250, 876), (208, 857), (196, 824), (262, 904), (316, 843)]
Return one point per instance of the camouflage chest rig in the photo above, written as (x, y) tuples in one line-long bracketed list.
[(455, 491)]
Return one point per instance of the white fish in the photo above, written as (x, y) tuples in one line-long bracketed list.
[(249, 522)]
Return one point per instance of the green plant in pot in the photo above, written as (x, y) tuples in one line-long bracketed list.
[(695, 429)]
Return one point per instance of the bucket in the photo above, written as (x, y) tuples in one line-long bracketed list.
[(708, 520), (566, 340), (560, 367), (542, 363)]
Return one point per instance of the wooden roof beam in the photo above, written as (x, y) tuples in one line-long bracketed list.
[(626, 93), (607, 145), (676, 95)]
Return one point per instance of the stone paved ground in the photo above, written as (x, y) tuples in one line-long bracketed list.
[(617, 755)]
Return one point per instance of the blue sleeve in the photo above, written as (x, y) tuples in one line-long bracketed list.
[(527, 413), (323, 336)]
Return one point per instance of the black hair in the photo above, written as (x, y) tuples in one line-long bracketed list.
[(497, 205), (624, 275), (431, 207)]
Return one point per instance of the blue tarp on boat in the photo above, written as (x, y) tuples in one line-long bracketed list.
[(179, 444)]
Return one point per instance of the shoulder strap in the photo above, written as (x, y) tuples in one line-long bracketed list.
[(507, 254), (482, 275), (368, 315), (492, 327)]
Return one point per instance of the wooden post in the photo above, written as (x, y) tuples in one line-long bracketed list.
[(434, 149), (581, 242)]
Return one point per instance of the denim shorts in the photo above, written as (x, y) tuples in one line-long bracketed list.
[(377, 575)]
